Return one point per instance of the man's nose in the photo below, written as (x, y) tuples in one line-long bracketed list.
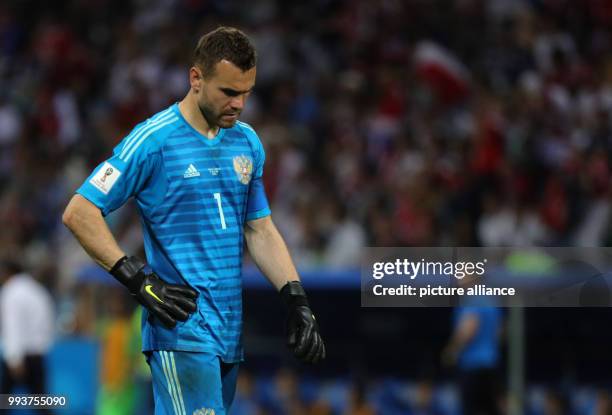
[(237, 103)]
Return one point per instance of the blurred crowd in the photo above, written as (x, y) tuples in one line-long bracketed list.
[(464, 122), (284, 393)]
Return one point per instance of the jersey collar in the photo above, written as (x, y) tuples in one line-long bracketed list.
[(209, 141)]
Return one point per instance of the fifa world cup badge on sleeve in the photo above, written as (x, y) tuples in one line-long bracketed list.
[(243, 166), (105, 178)]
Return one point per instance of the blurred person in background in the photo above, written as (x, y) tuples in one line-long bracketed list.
[(196, 174), (474, 350), (143, 388), (603, 403), (557, 403), (423, 402), (26, 331), (246, 401), (358, 403), (117, 395), (283, 397)]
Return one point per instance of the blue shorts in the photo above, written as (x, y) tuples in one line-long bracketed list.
[(191, 383)]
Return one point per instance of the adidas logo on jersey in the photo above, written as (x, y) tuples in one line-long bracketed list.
[(191, 172)]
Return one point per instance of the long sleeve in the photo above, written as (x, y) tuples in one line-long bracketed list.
[(12, 332)]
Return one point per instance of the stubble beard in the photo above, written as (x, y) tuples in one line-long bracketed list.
[(212, 118)]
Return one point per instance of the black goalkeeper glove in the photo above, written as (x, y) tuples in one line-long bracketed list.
[(302, 329), (167, 302)]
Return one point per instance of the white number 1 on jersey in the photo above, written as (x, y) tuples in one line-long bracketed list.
[(221, 215)]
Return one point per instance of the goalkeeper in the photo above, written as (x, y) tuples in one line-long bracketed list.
[(195, 173)]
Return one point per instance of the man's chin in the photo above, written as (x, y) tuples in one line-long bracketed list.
[(227, 123)]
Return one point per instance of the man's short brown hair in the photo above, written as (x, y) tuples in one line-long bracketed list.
[(224, 43)]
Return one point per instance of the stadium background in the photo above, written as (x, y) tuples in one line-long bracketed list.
[(386, 123)]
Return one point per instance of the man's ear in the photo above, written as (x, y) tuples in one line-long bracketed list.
[(195, 79)]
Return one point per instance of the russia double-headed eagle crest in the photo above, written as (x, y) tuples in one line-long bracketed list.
[(243, 166)]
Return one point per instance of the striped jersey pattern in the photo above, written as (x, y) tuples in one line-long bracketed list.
[(193, 195)]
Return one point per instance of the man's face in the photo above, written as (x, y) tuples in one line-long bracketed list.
[(222, 96)]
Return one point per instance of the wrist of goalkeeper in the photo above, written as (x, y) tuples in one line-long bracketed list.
[(303, 336), (129, 271), (293, 294), (168, 303)]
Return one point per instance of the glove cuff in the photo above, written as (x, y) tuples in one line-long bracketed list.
[(128, 271), (293, 294)]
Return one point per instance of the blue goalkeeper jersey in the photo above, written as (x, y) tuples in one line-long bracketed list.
[(193, 195)]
